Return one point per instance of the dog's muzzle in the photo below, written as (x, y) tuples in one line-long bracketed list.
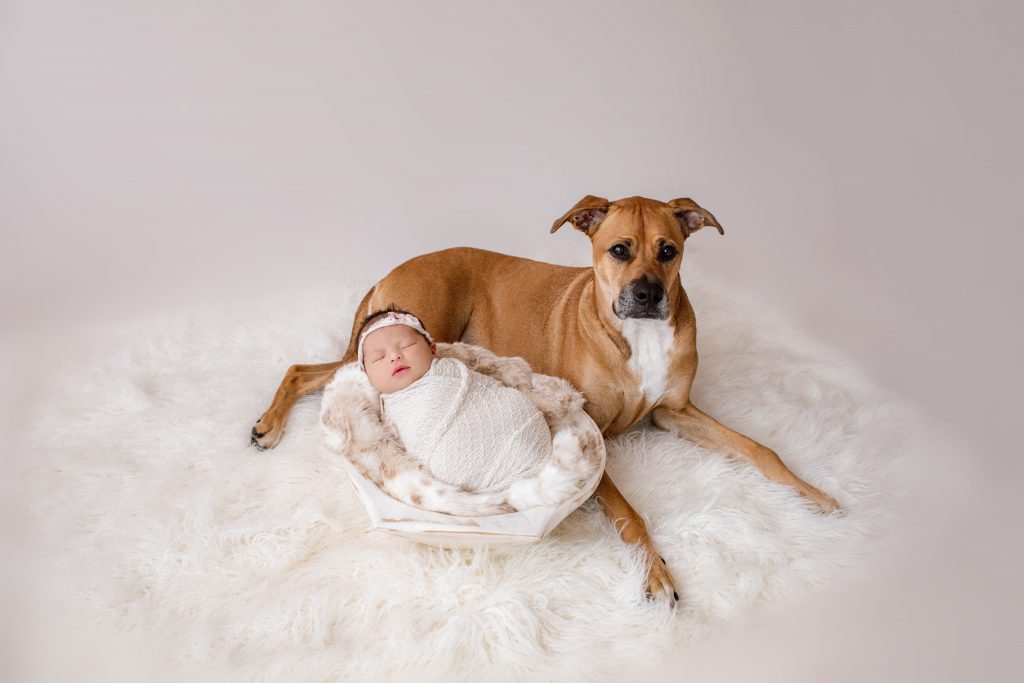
[(641, 299)]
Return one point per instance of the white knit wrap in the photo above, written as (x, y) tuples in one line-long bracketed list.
[(467, 428)]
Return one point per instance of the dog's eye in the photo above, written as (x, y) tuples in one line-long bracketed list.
[(667, 253), (619, 251)]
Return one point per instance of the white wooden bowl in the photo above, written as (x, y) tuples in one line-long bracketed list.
[(439, 529), (361, 439)]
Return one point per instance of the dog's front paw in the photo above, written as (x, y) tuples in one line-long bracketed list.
[(823, 503), (267, 432), (660, 585)]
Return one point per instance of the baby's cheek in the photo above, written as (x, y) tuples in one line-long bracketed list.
[(375, 381)]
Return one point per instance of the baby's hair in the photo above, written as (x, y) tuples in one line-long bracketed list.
[(391, 308)]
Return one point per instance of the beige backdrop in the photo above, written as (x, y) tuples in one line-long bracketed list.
[(864, 158)]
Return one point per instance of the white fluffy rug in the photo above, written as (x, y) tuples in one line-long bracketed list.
[(151, 508)]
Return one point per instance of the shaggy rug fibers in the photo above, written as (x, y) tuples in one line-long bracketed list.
[(150, 506)]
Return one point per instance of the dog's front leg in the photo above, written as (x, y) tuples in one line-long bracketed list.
[(694, 425), (631, 528)]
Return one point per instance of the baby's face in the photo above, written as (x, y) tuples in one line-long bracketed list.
[(395, 357)]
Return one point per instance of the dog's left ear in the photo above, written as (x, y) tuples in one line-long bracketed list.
[(586, 215), (692, 217)]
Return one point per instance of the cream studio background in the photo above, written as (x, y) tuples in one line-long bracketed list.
[(863, 159)]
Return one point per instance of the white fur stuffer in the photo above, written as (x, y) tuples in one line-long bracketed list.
[(354, 428)]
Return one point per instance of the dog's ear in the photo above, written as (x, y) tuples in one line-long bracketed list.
[(586, 215), (692, 217)]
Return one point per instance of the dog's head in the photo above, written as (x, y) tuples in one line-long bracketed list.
[(637, 249)]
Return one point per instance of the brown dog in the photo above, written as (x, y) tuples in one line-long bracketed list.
[(622, 331)]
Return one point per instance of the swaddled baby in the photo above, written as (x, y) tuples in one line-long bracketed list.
[(468, 429)]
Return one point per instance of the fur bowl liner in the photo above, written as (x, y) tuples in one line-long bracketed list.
[(386, 478)]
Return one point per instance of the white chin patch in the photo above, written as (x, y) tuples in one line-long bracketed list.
[(649, 342)]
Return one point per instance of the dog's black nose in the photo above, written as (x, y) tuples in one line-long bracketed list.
[(649, 293)]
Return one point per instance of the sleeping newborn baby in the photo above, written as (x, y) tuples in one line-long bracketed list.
[(468, 429)]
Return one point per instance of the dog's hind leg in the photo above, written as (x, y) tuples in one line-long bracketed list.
[(299, 381)]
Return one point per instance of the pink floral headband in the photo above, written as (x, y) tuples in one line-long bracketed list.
[(387, 320)]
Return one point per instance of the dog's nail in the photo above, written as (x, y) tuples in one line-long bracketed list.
[(663, 561), (256, 444), (649, 596), (675, 595)]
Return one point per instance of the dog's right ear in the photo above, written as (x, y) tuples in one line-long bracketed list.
[(586, 215)]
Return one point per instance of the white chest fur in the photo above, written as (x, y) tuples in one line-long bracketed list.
[(650, 342)]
